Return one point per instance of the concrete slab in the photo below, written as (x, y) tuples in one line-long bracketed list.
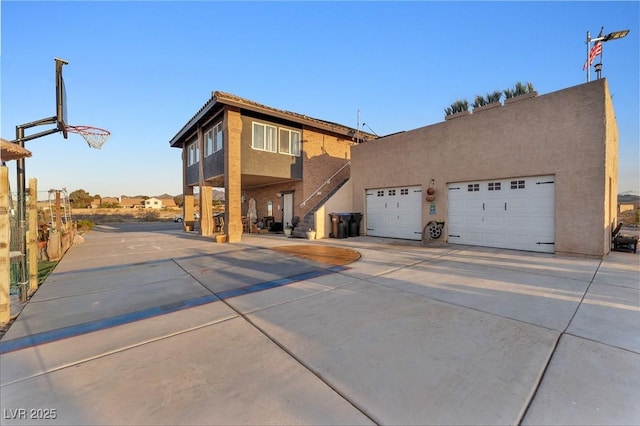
[(227, 373), (609, 314), (53, 314), (621, 269), (568, 267), (539, 299), (232, 270), (290, 292), (89, 280), (404, 359), (81, 347), (588, 383)]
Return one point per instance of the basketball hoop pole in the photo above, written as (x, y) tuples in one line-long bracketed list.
[(21, 174)]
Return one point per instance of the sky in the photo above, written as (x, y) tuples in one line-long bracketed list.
[(142, 69)]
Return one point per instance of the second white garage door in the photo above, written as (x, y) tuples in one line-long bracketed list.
[(515, 213), (395, 212)]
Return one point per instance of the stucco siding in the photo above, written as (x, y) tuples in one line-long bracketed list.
[(562, 133)]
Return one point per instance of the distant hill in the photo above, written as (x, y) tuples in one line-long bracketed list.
[(628, 199)]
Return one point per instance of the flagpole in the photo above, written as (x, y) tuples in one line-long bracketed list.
[(588, 52)]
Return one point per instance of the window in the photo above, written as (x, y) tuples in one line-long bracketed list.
[(264, 137), (494, 186), (473, 187), (404, 191), (380, 193), (289, 142), (392, 192), (517, 184), (213, 140), (193, 153)]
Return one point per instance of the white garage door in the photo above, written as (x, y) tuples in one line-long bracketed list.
[(509, 213), (395, 212)]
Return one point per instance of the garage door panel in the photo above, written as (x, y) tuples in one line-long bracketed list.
[(394, 212), (513, 213)]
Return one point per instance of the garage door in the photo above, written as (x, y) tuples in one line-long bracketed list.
[(509, 213), (395, 212)]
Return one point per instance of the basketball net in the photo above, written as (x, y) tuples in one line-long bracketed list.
[(94, 136)]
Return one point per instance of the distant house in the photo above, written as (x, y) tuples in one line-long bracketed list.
[(97, 202), (132, 202), (153, 203), (167, 200)]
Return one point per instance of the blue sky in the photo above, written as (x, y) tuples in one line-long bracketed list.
[(143, 69)]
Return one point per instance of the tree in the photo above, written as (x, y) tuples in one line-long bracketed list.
[(179, 200), (80, 199)]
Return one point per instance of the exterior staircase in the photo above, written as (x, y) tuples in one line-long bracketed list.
[(308, 221)]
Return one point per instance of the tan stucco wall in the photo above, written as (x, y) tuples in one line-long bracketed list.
[(562, 133), (341, 201)]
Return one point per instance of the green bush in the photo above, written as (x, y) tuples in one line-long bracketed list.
[(85, 225)]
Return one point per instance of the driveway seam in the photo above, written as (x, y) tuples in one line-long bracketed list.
[(289, 353), (538, 383)]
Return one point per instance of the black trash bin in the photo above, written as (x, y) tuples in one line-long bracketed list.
[(339, 225), (354, 224), (335, 221)]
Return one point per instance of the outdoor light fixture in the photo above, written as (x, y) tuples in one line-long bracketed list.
[(596, 50)]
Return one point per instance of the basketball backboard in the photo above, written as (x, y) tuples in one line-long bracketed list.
[(61, 98)]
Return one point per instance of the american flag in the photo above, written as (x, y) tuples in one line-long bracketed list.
[(595, 51)]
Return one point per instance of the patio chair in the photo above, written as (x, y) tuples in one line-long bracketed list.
[(628, 243)]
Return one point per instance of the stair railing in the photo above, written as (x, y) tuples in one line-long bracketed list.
[(327, 182)]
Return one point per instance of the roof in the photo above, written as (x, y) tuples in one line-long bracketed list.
[(12, 151), (223, 98)]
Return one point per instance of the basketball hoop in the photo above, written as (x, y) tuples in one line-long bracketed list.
[(94, 136)]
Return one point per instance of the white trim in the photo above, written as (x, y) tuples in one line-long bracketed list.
[(273, 143)]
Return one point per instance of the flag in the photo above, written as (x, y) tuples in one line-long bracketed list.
[(595, 51)]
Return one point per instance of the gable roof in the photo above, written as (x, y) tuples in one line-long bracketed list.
[(218, 99)]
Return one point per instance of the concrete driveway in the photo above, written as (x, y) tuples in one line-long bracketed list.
[(144, 324)]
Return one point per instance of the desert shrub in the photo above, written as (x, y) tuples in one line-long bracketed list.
[(150, 216), (85, 225)]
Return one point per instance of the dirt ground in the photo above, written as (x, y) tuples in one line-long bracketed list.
[(100, 216)]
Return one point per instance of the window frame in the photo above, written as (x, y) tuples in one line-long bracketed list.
[(268, 146), (293, 148), (193, 153)]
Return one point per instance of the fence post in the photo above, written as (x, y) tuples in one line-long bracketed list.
[(5, 239), (32, 235)]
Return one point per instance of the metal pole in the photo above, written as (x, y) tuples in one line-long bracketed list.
[(588, 51), (22, 203)]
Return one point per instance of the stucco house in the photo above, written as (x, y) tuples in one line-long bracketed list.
[(273, 164), (537, 173), (152, 203)]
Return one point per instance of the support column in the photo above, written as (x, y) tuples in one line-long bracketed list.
[(5, 238), (32, 235), (187, 192), (233, 174), (206, 210)]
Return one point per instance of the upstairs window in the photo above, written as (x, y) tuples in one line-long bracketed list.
[(213, 140), (193, 153), (264, 137), (289, 142)]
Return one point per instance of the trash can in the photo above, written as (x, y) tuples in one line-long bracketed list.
[(339, 225), (354, 224), (343, 225)]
